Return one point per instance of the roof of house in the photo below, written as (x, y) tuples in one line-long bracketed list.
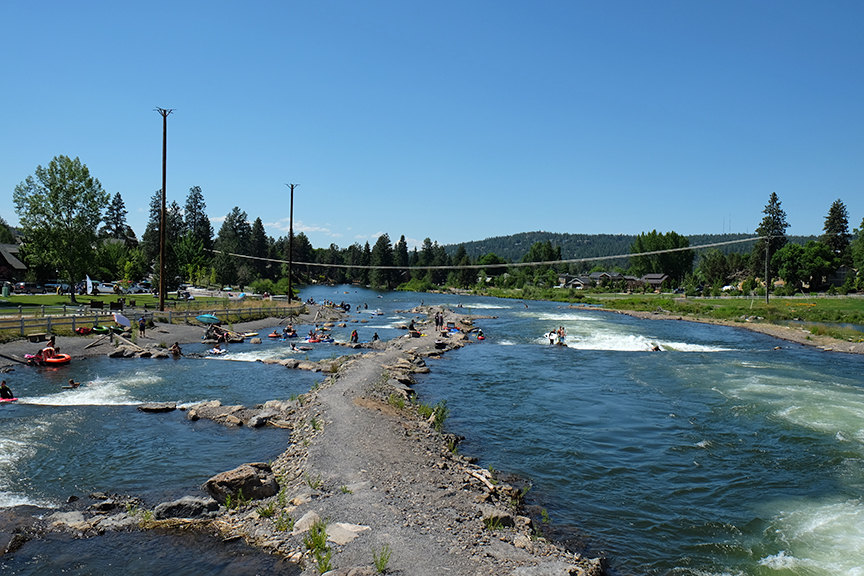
[(10, 253)]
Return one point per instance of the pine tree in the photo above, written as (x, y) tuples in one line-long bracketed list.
[(196, 220), (772, 231), (382, 255), (115, 219), (836, 229)]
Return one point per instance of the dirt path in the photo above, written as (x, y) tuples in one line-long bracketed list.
[(363, 462)]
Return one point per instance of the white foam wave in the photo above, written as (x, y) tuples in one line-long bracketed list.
[(97, 393), (567, 316), (486, 306), (822, 536)]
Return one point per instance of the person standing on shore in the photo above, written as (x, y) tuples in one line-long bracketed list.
[(142, 327)]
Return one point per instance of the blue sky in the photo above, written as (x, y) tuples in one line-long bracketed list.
[(451, 120)]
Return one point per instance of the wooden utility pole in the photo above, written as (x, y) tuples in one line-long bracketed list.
[(291, 241), (164, 112)]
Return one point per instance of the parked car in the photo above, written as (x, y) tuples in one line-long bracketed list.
[(29, 288), (51, 286)]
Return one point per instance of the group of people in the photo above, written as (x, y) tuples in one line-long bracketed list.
[(557, 336), (289, 331), (439, 321), (49, 351)]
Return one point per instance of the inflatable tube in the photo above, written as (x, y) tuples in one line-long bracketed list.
[(274, 335), (292, 335), (100, 329), (58, 359), (481, 337), (313, 340)]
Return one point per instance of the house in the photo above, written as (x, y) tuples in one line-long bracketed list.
[(655, 280), (10, 266), (838, 277)]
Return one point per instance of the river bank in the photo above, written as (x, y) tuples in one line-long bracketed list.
[(362, 458)]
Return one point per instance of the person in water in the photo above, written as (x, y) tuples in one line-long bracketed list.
[(73, 384), (354, 336), (5, 392), (175, 349), (375, 337)]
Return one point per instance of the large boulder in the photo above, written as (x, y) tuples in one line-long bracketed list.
[(256, 480), (186, 507)]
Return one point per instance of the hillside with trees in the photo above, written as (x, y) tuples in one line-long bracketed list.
[(71, 226)]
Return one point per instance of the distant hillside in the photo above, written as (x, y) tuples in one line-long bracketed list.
[(573, 246)]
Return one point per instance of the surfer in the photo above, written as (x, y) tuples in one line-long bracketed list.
[(5, 392), (655, 348), (73, 384)]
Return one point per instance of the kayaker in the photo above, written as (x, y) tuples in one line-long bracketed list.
[(5, 392)]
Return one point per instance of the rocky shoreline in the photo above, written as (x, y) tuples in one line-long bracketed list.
[(369, 481)]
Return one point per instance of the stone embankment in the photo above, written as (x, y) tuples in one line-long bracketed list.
[(370, 482)]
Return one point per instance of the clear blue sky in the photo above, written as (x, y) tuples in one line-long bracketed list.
[(454, 120)]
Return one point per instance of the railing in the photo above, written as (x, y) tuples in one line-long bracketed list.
[(41, 322)]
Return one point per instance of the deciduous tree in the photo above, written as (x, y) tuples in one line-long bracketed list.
[(60, 208)]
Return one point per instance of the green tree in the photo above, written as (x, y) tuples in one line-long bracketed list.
[(772, 232), (382, 255), (836, 235), (857, 249), (789, 263), (233, 238), (258, 247), (6, 235), (60, 210), (817, 262), (196, 220), (115, 219), (713, 267), (671, 259)]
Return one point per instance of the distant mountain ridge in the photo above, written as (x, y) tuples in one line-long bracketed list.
[(512, 248)]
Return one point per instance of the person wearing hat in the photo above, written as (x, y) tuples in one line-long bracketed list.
[(5, 392), (142, 327)]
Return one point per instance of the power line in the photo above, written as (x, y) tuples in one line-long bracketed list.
[(487, 266)]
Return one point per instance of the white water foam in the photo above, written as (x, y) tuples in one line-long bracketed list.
[(99, 392), (820, 537), (486, 306)]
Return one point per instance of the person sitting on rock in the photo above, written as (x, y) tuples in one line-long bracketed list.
[(175, 349)]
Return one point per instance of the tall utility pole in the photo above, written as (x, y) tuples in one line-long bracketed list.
[(164, 112), (291, 241), (767, 244)]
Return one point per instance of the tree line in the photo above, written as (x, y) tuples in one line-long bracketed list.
[(67, 233)]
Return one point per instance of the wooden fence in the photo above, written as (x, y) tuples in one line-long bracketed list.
[(44, 321)]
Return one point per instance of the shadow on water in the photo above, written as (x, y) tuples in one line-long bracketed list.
[(151, 552)]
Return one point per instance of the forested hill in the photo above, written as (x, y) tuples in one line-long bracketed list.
[(573, 246)]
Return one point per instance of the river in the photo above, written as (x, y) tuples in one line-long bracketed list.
[(718, 455)]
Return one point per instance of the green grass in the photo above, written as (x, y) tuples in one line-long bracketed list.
[(316, 543), (381, 558)]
